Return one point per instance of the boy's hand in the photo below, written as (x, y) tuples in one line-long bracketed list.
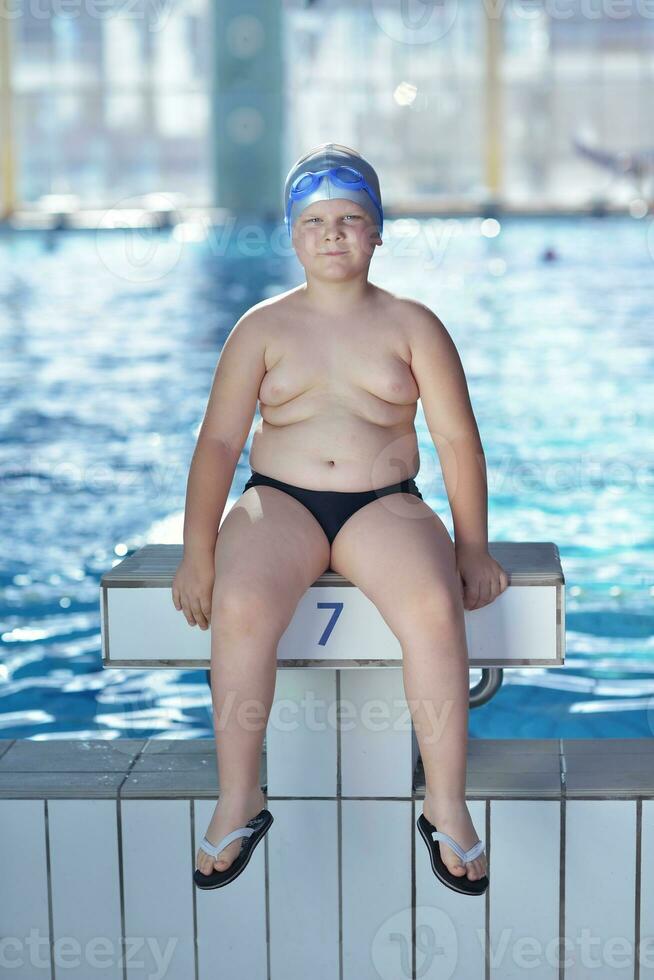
[(192, 588), (482, 578)]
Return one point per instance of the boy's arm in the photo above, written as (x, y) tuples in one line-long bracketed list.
[(438, 371), (224, 430)]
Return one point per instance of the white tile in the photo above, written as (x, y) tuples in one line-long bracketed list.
[(647, 891), (520, 623), (158, 881), (231, 921), (376, 877), (524, 888), (450, 928), (85, 886), (24, 889), (143, 625), (303, 853), (377, 748), (600, 873), (301, 734)]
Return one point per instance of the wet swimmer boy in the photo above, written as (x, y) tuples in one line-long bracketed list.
[(337, 365)]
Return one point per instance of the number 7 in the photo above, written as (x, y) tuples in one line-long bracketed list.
[(338, 609)]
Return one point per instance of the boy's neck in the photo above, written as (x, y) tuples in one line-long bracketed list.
[(337, 297)]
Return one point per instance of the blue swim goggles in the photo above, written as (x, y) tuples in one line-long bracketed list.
[(342, 176)]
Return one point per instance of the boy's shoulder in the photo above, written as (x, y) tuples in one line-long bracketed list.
[(417, 311), (405, 309), (268, 309), (420, 320)]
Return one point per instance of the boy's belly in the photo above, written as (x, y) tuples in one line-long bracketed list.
[(337, 452)]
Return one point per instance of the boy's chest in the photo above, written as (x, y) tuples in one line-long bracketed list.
[(339, 359)]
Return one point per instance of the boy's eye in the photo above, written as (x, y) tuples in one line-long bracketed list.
[(358, 216)]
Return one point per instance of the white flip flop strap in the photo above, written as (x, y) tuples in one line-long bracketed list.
[(215, 849), (468, 855)]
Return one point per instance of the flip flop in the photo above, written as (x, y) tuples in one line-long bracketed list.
[(254, 830), (460, 883)]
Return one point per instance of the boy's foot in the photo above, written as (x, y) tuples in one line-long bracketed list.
[(455, 820), (233, 810)]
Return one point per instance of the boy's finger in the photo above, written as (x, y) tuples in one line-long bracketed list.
[(473, 595), (206, 609), (199, 615), (188, 612)]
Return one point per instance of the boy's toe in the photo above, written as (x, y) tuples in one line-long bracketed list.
[(203, 862), (451, 861), (225, 858), (476, 870)]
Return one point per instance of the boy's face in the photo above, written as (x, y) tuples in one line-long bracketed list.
[(337, 226)]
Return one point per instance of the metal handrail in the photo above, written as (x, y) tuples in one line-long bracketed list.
[(487, 687)]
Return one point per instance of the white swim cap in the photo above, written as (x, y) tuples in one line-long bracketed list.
[(331, 156)]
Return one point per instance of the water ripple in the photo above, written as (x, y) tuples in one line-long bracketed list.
[(103, 383)]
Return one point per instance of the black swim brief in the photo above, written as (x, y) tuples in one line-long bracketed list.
[(331, 508)]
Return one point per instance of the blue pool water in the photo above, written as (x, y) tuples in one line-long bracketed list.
[(109, 342)]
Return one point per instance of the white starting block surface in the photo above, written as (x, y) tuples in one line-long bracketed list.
[(335, 625)]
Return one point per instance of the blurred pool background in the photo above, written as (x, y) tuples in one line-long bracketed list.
[(109, 342)]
